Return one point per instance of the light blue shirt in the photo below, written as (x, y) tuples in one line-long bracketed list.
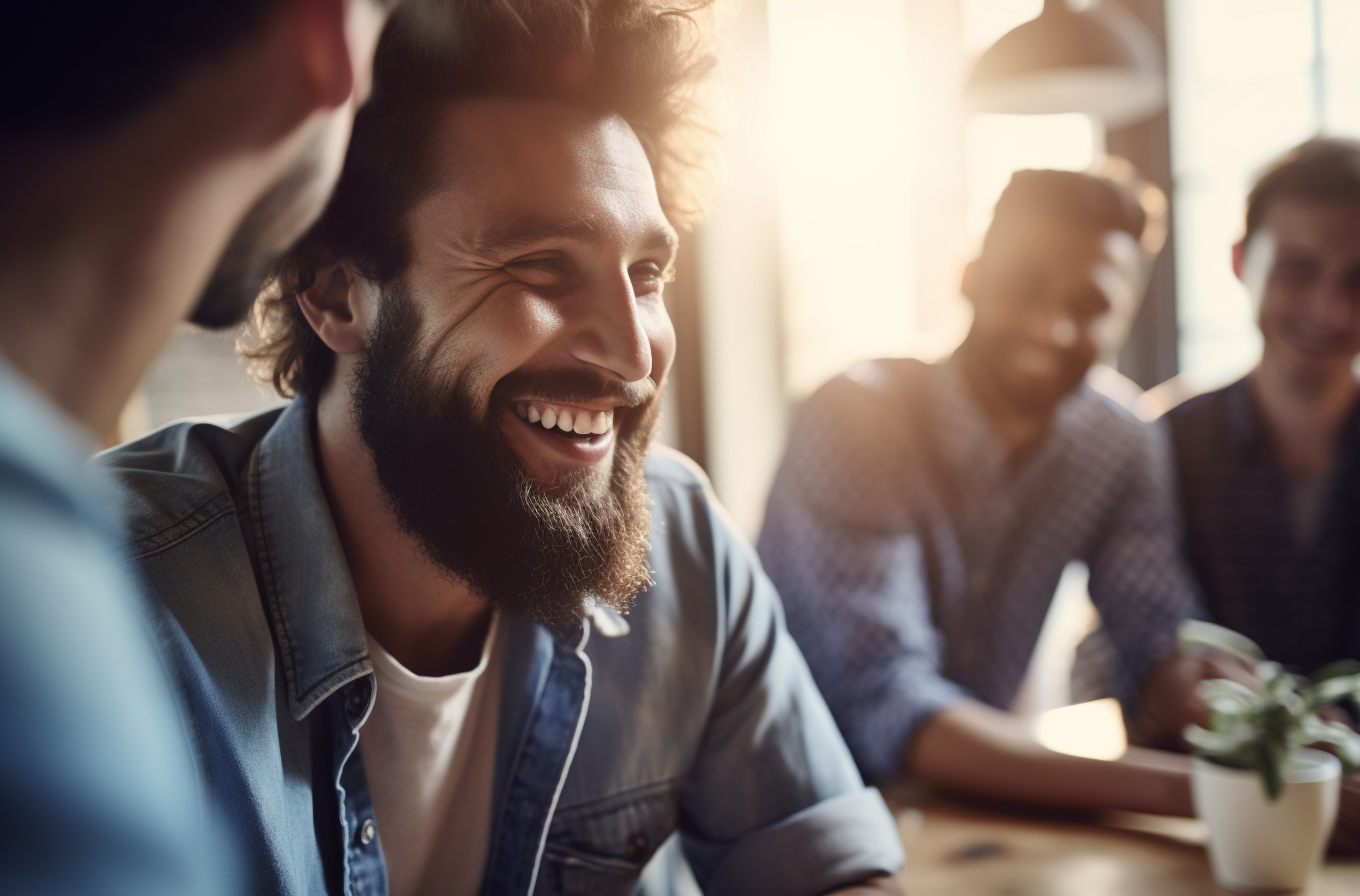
[(694, 714), (97, 787)]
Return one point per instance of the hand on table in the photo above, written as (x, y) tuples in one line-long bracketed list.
[(1169, 699)]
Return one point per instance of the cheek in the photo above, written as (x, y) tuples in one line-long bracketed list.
[(504, 333), (1274, 311)]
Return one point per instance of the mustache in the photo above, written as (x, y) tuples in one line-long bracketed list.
[(573, 385)]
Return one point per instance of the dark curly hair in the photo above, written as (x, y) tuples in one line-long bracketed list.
[(1089, 200), (649, 63), (1324, 169)]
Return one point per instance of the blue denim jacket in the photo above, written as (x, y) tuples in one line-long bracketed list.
[(696, 713)]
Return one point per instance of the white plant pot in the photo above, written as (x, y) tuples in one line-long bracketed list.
[(1260, 846)]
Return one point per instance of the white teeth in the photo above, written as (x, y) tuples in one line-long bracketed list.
[(581, 422)]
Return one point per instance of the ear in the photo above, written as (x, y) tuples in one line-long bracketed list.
[(323, 53), (340, 305), (1239, 255)]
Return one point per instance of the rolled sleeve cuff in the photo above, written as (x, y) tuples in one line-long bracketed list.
[(879, 731), (1142, 659), (1152, 643), (840, 841)]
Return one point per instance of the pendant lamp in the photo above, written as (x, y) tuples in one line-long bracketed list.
[(1100, 61)]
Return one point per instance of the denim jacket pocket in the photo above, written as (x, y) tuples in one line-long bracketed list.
[(601, 847)]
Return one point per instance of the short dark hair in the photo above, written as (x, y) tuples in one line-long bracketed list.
[(646, 61), (1088, 200), (1324, 169), (78, 67)]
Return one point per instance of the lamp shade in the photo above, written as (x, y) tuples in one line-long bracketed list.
[(1101, 61)]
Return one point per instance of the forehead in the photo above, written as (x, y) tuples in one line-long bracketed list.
[(1314, 224), (1040, 239), (501, 160)]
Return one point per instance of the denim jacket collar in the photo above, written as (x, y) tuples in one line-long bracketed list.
[(312, 605)]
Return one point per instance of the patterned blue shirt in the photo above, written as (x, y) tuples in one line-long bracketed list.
[(917, 565)]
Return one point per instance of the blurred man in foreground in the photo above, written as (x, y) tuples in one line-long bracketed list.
[(1269, 467), (924, 513), (446, 624), (139, 147)]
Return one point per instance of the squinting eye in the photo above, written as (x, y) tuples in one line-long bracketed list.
[(648, 277), (540, 272)]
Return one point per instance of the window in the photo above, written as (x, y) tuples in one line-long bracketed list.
[(1249, 79)]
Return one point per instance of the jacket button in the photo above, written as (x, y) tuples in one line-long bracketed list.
[(637, 847), (356, 703), (367, 831)]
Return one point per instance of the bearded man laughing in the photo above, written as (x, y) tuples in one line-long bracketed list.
[(381, 599)]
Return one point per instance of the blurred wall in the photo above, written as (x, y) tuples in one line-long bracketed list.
[(737, 255)]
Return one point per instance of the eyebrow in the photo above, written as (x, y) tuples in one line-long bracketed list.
[(534, 229)]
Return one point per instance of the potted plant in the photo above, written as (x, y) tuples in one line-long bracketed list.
[(1268, 799)]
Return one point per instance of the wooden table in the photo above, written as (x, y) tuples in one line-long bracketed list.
[(965, 849)]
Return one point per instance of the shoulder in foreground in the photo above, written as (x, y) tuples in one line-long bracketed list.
[(179, 470)]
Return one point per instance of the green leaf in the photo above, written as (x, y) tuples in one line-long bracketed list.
[(1336, 670), (1330, 690), (1220, 744), (1271, 767), (1194, 635), (1227, 696), (1346, 741)]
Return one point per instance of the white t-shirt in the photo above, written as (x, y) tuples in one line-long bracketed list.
[(429, 749)]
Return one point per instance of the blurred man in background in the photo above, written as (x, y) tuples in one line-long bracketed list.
[(400, 601), (1269, 467), (924, 513), (142, 147)]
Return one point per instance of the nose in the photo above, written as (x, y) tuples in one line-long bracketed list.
[(610, 334), (1063, 332), (1051, 329)]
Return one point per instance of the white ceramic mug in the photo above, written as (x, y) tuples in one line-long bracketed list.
[(1260, 846)]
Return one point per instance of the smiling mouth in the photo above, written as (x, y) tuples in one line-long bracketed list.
[(584, 424), (1317, 346)]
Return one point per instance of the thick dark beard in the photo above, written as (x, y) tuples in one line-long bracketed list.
[(255, 248), (533, 551)]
